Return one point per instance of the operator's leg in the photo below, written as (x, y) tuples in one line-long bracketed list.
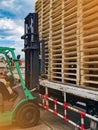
[(1, 103), (3, 90)]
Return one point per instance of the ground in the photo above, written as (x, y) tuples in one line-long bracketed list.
[(48, 121)]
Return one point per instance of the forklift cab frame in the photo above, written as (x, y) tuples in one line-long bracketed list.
[(24, 105)]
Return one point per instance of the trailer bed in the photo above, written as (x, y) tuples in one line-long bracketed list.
[(75, 90)]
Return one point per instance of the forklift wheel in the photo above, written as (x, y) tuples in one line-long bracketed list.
[(27, 115)]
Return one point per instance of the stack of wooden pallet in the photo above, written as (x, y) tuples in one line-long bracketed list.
[(70, 31), (71, 42), (43, 9), (89, 43), (56, 40)]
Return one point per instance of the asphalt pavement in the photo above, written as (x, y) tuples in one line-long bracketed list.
[(48, 121)]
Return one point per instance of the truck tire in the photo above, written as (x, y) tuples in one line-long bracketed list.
[(27, 115)]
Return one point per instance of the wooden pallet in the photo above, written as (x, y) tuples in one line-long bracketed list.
[(43, 9), (70, 42), (56, 71)]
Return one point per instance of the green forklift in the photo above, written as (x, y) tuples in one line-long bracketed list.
[(23, 104), (21, 108)]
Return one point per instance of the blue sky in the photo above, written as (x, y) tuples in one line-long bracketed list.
[(12, 14)]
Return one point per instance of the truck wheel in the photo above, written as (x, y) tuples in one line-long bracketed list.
[(27, 115)]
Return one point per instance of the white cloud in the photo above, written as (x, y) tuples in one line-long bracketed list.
[(13, 31), (20, 8), (7, 3), (13, 27)]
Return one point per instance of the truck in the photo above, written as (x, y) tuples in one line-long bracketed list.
[(60, 45), (65, 48), (59, 98)]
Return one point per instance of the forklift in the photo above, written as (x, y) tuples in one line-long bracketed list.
[(24, 108)]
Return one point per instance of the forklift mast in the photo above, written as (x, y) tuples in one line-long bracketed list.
[(31, 49)]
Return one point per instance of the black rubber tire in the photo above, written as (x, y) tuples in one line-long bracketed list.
[(27, 115)]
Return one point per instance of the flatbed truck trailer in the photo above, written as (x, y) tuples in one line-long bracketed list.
[(58, 98), (69, 30), (64, 34)]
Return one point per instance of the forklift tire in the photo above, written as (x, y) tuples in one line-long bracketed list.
[(27, 115)]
